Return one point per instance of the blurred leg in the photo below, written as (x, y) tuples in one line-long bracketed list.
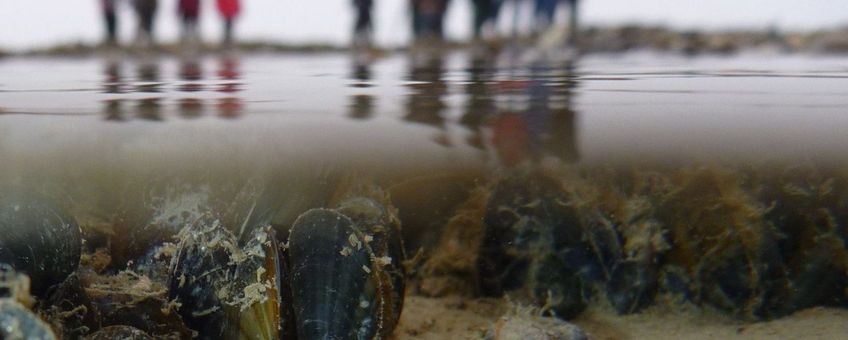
[(111, 26), (228, 32), (573, 22)]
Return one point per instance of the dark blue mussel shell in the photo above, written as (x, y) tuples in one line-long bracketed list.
[(227, 291), (347, 280)]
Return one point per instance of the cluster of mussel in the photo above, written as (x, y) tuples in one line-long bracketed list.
[(754, 244), (338, 276)]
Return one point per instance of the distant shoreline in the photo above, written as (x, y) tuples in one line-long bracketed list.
[(593, 40)]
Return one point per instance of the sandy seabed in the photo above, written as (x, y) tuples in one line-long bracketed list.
[(460, 318)]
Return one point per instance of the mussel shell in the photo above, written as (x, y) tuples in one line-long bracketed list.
[(338, 289), (257, 292), (534, 240), (38, 238), (632, 286), (198, 270), (376, 220), (227, 291), (330, 290)]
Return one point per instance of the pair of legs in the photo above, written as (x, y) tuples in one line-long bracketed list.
[(146, 11), (363, 17), (545, 11), (111, 26), (363, 26), (485, 11), (428, 17)]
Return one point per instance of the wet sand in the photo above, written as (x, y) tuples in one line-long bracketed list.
[(457, 318)]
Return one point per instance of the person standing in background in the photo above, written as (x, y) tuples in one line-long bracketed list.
[(428, 18), (189, 12), (363, 28), (111, 20), (229, 10), (573, 23), (485, 12), (545, 12), (146, 11)]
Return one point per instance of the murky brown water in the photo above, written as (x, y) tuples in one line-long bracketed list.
[(641, 139)]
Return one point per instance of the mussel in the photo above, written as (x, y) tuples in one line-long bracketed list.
[(340, 276), (347, 276), (224, 290), (534, 241), (38, 238)]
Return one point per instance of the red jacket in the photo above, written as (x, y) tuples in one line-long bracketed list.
[(229, 8), (190, 8)]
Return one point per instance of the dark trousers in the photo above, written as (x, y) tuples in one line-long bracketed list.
[(111, 25), (363, 17), (228, 31), (146, 10), (485, 11), (428, 17)]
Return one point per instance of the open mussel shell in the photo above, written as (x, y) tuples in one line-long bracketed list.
[(38, 238), (256, 294), (341, 287), (227, 291)]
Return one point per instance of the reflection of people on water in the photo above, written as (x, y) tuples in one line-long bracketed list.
[(361, 106), (113, 81), (425, 102), (536, 119), (230, 107), (148, 76), (481, 97), (149, 109), (361, 73), (191, 108), (191, 71), (113, 110), (229, 73), (228, 66)]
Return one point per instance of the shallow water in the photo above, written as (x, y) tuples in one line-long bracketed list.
[(276, 135), (441, 110)]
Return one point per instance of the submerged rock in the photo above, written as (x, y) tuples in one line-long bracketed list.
[(19, 323)]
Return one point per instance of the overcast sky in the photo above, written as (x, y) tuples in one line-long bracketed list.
[(31, 23)]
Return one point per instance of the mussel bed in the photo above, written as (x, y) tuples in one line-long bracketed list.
[(753, 242)]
